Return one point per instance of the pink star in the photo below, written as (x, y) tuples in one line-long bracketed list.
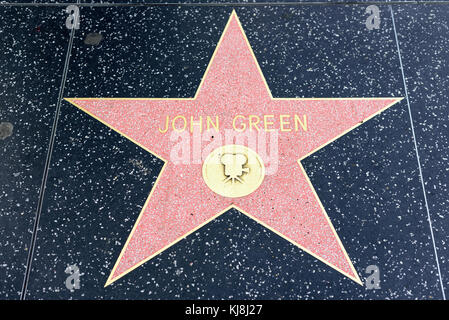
[(180, 201)]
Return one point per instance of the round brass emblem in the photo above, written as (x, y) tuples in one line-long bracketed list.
[(233, 171)]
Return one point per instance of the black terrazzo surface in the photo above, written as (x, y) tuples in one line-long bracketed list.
[(34, 45), (368, 180)]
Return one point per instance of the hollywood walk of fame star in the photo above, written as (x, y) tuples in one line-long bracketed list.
[(180, 202)]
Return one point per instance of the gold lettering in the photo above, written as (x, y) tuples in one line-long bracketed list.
[(174, 122), (200, 123), (266, 123), (166, 126), (251, 123), (243, 126), (210, 123), (285, 122), (303, 124)]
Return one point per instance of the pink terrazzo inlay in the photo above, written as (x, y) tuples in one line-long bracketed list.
[(285, 202)]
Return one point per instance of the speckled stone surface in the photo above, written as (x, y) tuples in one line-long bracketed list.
[(234, 1), (368, 180), (426, 67), (34, 45), (39, 2)]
